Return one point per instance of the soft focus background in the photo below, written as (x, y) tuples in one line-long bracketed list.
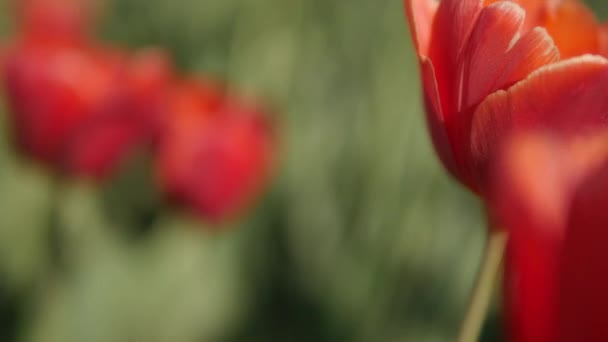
[(361, 237)]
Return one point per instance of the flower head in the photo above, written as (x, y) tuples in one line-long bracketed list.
[(50, 90), (216, 153), (479, 58), (79, 107), (131, 118)]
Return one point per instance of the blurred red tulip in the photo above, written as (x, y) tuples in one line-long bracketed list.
[(478, 58), (216, 153), (67, 20), (81, 108), (146, 89), (130, 119), (51, 88), (77, 106), (550, 193)]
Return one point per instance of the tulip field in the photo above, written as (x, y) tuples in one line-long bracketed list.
[(302, 170)]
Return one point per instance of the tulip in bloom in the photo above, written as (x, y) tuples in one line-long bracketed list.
[(77, 106), (130, 119), (550, 193), (490, 66), (216, 153), (51, 88), (80, 109)]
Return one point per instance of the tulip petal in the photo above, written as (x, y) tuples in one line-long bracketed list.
[(530, 291), (567, 97), (535, 174), (533, 183), (536, 203), (420, 14), (56, 19), (452, 27), (603, 40), (570, 23), (497, 57), (528, 199), (583, 276), (536, 10), (434, 116), (232, 163), (493, 54), (490, 42), (573, 28), (534, 50), (101, 148)]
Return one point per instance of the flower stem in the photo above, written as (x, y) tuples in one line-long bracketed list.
[(482, 293), (54, 231)]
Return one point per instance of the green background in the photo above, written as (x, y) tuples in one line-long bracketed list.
[(362, 236)]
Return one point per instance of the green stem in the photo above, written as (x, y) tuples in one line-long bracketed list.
[(54, 237), (482, 293)]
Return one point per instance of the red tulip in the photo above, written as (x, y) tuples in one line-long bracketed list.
[(132, 118), (478, 58), (550, 193), (66, 20), (80, 108), (216, 153), (51, 88), (145, 91)]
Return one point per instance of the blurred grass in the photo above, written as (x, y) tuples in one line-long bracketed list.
[(362, 237)]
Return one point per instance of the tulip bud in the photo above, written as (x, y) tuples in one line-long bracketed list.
[(50, 91), (130, 119), (216, 154)]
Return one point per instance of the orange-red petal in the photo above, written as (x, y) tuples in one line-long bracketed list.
[(452, 27), (497, 57), (56, 19), (530, 291), (568, 97), (528, 199), (534, 181), (574, 28), (583, 276), (603, 40), (435, 119), (420, 14)]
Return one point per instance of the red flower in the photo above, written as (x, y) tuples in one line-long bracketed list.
[(132, 118), (65, 20), (478, 58), (550, 193), (51, 88), (80, 108), (216, 153)]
